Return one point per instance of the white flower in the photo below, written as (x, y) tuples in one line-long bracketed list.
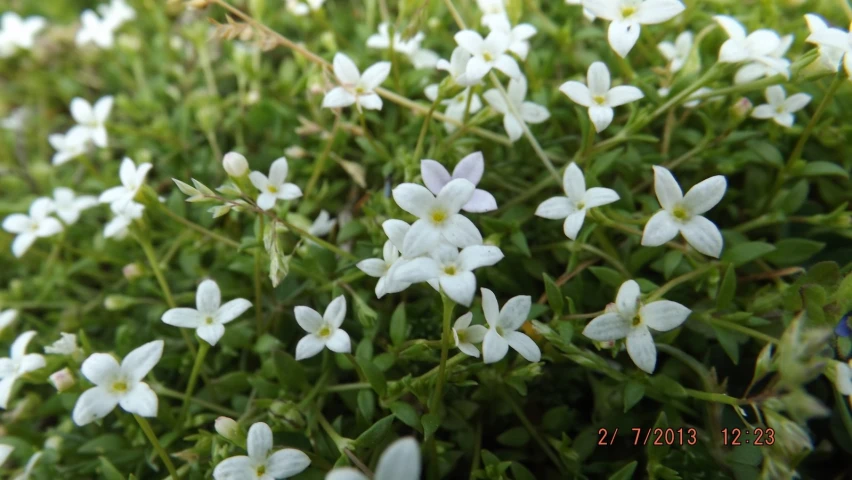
[(456, 105), (631, 320), (779, 107), (529, 112), (400, 461), (18, 33), (759, 69), (235, 164), (116, 13), (7, 317), (573, 206), (92, 119), (448, 270), (66, 345), (322, 224), (69, 145), (519, 36), (210, 316), (457, 67), (487, 54), (465, 335), (627, 16), (132, 179), (354, 87), (586, 12), (118, 384), (5, 451), (682, 213), (383, 268), (323, 331), (502, 328), (470, 168), (30, 227), (421, 58), (275, 186), (124, 214), (94, 29), (598, 96), (16, 120), (760, 46), (68, 206), (677, 53), (829, 55), (27, 474), (438, 217), (303, 7), (260, 464), (18, 363), (492, 11)]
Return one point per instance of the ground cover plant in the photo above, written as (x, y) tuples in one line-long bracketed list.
[(425, 239)]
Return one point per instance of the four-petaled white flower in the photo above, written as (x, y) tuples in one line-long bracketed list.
[(118, 384), (18, 363), (420, 57), (470, 168), (260, 464), (69, 145), (449, 270), (598, 97), (487, 54), (516, 112), (519, 36), (466, 335), (30, 227), (677, 53), (573, 206), (779, 107), (383, 268), (503, 325), (132, 178), (322, 225), (92, 119), (116, 13), (757, 70), (356, 88), (631, 320), (455, 106), (94, 29), (400, 461), (438, 217), (323, 330), (275, 186), (68, 206), (7, 317), (17, 120), (123, 215), (18, 33), (682, 213), (66, 345), (825, 38), (304, 7), (492, 11), (210, 316), (457, 67), (627, 16), (760, 46)]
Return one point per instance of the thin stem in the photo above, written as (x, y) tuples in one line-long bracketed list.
[(203, 347), (743, 329), (346, 387), (658, 293), (146, 428), (445, 346), (198, 228), (532, 430), (258, 282), (715, 397), (418, 149), (166, 392), (319, 163), (341, 443)]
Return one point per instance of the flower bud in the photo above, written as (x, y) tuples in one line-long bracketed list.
[(228, 428), (741, 108), (62, 380), (289, 411), (131, 271), (295, 151), (235, 164), (118, 302), (53, 442)]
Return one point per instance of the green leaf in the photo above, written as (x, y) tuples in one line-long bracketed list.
[(791, 201), (625, 472), (406, 414), (728, 343), (823, 168), (290, 373), (374, 376), (793, 251), (725, 295), (554, 294), (814, 297), (431, 422), (103, 444), (607, 276), (514, 437), (633, 393), (519, 240), (669, 386), (656, 453), (398, 325), (376, 433), (747, 252), (367, 404), (671, 260), (520, 472), (108, 470)]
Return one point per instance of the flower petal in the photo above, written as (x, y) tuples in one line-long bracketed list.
[(208, 297), (514, 312), (100, 368), (339, 342), (573, 223), (373, 267), (494, 347), (490, 307), (508, 65), (651, 12), (434, 175), (601, 117), (421, 238), (344, 473), (797, 102), (496, 101), (577, 92), (286, 463), (183, 317), (140, 400), (16, 223), (416, 270), (475, 333), (731, 26), (476, 256), (234, 468), (345, 69), (471, 168), (627, 299), (335, 312), (211, 333), (414, 199), (400, 461), (623, 94), (555, 208), (703, 235), (514, 128), (81, 110), (396, 231), (375, 75), (454, 195), (666, 187), (664, 315), (459, 287), (469, 40), (622, 36), (533, 113), (763, 111), (640, 347), (480, 201), (22, 243), (6, 385), (705, 194), (94, 404), (140, 361), (231, 310), (309, 346), (524, 345), (278, 171), (102, 108), (338, 97), (459, 231), (308, 318), (597, 196), (606, 327), (259, 442), (660, 229)]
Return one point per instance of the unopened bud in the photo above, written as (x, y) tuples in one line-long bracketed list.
[(62, 380), (295, 151), (198, 4), (228, 428), (54, 442), (741, 108), (118, 302), (235, 164), (132, 271), (289, 411)]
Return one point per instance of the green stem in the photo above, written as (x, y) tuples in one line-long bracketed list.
[(319, 163), (341, 443), (203, 347), (146, 428), (346, 387), (658, 293), (258, 282), (532, 430), (418, 149), (445, 346), (743, 329), (166, 392), (715, 397), (198, 228)]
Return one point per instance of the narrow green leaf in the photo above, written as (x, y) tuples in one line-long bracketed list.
[(406, 414), (554, 294), (398, 325), (374, 376), (633, 393), (747, 252), (727, 288), (431, 422)]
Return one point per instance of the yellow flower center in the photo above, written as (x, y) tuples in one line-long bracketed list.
[(438, 216), (487, 57), (462, 334), (324, 331), (637, 320), (581, 206), (779, 109), (208, 320), (119, 386), (627, 11), (599, 99), (359, 90), (680, 213), (261, 470), (272, 189), (450, 270), (499, 331)]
